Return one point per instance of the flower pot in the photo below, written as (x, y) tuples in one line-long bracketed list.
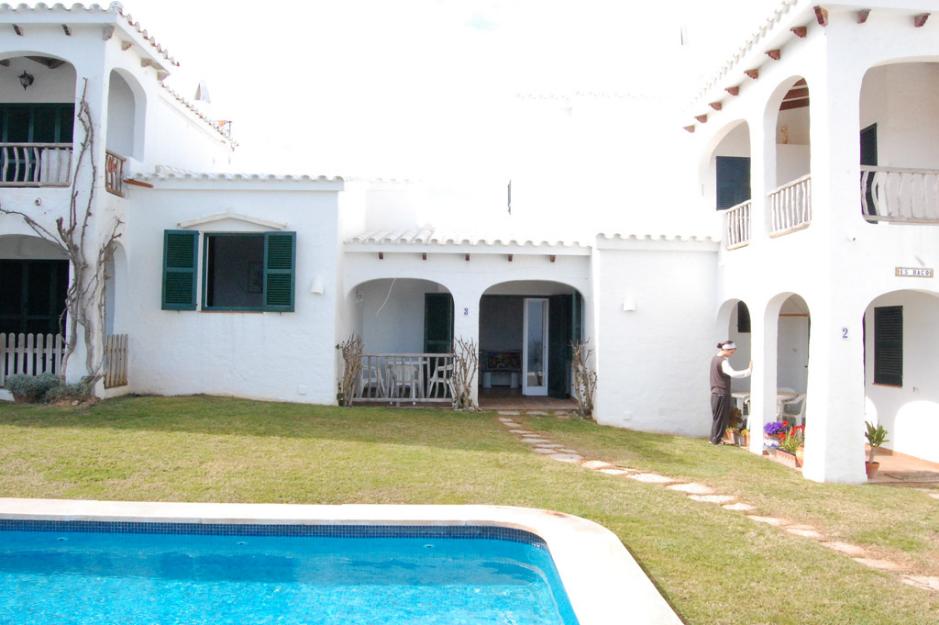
[(744, 440), (871, 468), (784, 458), (800, 456)]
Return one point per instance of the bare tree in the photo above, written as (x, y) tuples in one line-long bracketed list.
[(465, 368), (585, 378), (351, 351), (84, 299)]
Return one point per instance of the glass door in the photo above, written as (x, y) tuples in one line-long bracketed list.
[(535, 347)]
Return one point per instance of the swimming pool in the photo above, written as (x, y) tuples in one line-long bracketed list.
[(600, 581), (83, 573)]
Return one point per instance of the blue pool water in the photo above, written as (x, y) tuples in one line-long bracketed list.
[(146, 574)]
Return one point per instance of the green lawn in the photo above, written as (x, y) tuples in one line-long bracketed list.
[(715, 567)]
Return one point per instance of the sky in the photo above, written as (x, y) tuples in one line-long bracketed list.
[(462, 93)]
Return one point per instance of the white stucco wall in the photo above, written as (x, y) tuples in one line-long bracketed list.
[(286, 356), (653, 361), (121, 118), (390, 314), (910, 413)]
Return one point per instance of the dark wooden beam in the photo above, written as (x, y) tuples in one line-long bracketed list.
[(17, 30), (510, 258), (821, 15), (466, 258), (138, 183), (381, 256), (795, 94), (793, 104), (125, 45), (716, 106), (800, 31), (862, 15), (48, 61), (690, 128), (66, 30), (735, 90), (702, 118), (752, 73), (107, 32), (800, 83), (424, 256), (774, 54), (920, 20), (552, 258)]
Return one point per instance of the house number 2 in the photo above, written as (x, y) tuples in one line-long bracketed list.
[(844, 333)]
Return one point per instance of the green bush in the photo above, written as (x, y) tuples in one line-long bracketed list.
[(29, 388), (66, 392)]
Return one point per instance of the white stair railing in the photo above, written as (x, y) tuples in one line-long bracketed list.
[(790, 206), (737, 225), (899, 195)]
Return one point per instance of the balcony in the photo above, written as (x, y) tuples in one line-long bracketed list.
[(790, 207), (35, 164), (899, 195), (737, 225), (114, 174)]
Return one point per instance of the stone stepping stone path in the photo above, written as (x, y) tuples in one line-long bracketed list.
[(845, 548), (922, 581), (880, 565), (651, 478), (705, 494), (721, 499), (692, 488)]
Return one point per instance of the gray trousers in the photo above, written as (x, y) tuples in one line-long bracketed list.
[(720, 410)]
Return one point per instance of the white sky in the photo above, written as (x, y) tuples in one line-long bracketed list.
[(461, 94)]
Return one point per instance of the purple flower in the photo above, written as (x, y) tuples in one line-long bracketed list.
[(774, 428)]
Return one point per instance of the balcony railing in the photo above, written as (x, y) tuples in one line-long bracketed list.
[(790, 206), (35, 164), (894, 194), (114, 173), (405, 378), (737, 225)]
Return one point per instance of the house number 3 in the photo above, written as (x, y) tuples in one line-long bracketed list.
[(466, 312)]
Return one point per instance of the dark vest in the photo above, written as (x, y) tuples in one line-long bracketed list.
[(720, 381)]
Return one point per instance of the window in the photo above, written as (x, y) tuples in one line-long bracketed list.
[(248, 271), (888, 345), (743, 318), (733, 180), (36, 123), (32, 295)]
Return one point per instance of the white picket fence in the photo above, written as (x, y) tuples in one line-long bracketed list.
[(115, 360), (30, 354)]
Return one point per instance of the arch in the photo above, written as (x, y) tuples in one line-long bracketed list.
[(733, 141), (127, 111), (115, 290), (34, 277), (526, 328), (900, 386), (787, 114), (25, 246), (41, 113), (733, 322), (391, 314)]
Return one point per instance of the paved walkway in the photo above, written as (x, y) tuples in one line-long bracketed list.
[(702, 493)]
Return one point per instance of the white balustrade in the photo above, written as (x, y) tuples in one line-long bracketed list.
[(790, 206), (405, 378), (35, 164), (894, 194), (737, 225)]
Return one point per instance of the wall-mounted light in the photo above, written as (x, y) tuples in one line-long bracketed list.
[(318, 287), (26, 79)]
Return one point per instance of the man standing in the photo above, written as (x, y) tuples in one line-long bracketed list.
[(721, 373)]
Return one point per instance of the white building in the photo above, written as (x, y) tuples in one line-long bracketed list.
[(243, 285)]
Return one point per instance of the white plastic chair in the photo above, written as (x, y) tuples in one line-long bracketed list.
[(794, 408), (439, 381)]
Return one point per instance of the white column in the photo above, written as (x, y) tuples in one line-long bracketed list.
[(466, 322), (762, 173), (764, 329)]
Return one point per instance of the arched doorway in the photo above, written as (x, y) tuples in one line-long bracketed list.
[(406, 329), (790, 200), (792, 363), (526, 332)]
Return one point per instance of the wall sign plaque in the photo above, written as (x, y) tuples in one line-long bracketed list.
[(914, 272)]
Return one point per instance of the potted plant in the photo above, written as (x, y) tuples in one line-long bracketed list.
[(744, 437), (785, 453), (876, 436), (774, 433)]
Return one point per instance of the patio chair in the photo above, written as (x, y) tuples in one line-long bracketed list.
[(404, 376), (439, 382), (371, 381), (794, 409)]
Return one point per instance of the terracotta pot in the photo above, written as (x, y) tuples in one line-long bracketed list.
[(784, 458), (871, 468), (800, 456)]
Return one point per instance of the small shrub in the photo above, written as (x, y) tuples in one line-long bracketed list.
[(31, 389), (66, 392)]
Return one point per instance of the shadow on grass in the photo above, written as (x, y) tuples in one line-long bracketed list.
[(223, 416)]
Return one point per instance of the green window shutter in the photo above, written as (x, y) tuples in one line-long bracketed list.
[(179, 269), (888, 345), (279, 270)]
